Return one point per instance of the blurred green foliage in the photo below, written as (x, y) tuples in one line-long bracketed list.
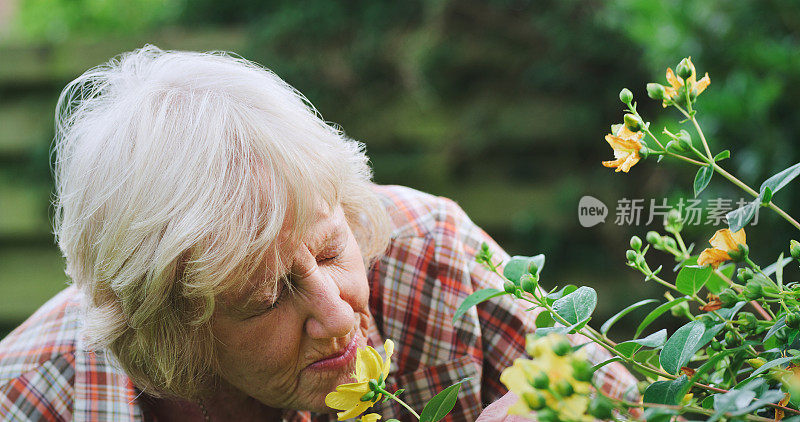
[(499, 104)]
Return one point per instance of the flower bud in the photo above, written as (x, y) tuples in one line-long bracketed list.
[(744, 274), (653, 237), (748, 321), (644, 152), (633, 123), (715, 345), (685, 140), (631, 255), (564, 388), (793, 320), (728, 298), (547, 415), (674, 221), (731, 339), (528, 283), (601, 408), (685, 69), (674, 146), (562, 347), (752, 290), (541, 381), (656, 91), (533, 399), (756, 363), (626, 96), (636, 243), (533, 268), (582, 370), (518, 293), (509, 287), (794, 249), (739, 255)]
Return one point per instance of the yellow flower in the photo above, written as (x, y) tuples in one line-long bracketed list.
[(370, 417), (546, 370), (723, 242), (369, 367), (672, 93), (626, 145)]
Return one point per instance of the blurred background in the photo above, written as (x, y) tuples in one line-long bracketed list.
[(501, 105)]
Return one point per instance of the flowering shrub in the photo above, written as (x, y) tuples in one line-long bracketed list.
[(738, 355)]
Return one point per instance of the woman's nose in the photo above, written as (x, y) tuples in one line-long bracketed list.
[(330, 316)]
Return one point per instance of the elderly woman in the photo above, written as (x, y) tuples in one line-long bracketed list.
[(229, 254)]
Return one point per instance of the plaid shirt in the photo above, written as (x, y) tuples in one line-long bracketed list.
[(415, 288)]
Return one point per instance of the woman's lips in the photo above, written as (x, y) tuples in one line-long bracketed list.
[(339, 360)]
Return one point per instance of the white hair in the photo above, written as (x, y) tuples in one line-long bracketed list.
[(174, 174)]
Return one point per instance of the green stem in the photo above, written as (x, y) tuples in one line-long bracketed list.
[(670, 153), (731, 177), (397, 399), (692, 409)]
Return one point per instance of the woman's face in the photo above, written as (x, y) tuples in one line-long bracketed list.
[(289, 349)]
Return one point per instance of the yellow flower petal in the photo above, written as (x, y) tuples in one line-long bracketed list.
[(370, 417), (515, 377), (375, 364), (355, 411), (368, 364), (519, 408), (725, 240), (713, 257), (673, 80), (345, 398), (702, 84), (388, 347)]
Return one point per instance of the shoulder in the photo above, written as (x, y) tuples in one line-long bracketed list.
[(47, 373), (37, 360), (51, 332), (415, 213)]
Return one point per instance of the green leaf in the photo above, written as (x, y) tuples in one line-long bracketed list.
[(519, 265), (722, 155), (774, 267), (658, 414), (474, 299), (577, 305), (771, 396), (441, 404), (655, 313), (606, 362), (691, 279), (715, 283), (560, 329), (630, 347), (544, 319), (778, 181), (780, 323), (682, 346), (613, 320), (667, 392), (771, 364), (739, 217), (702, 178), (569, 288), (731, 401)]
